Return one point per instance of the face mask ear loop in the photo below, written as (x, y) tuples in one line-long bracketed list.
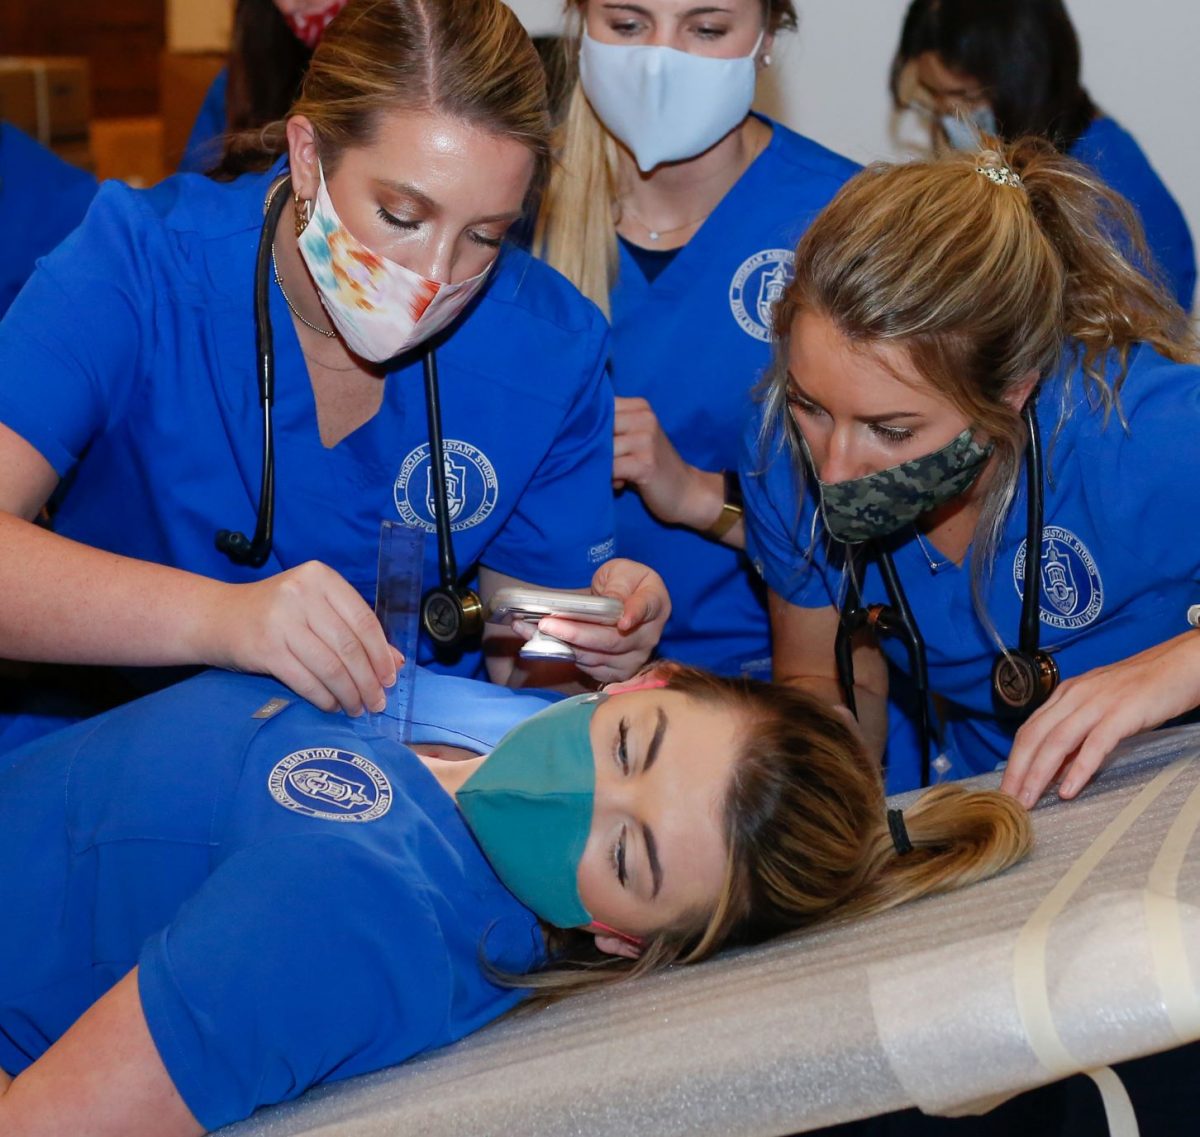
[(624, 937)]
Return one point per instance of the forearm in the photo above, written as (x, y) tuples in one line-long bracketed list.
[(65, 602), (702, 504), (870, 705), (5, 1082)]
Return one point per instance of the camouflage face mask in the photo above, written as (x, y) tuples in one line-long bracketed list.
[(883, 502)]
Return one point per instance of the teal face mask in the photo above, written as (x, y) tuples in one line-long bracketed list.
[(530, 808)]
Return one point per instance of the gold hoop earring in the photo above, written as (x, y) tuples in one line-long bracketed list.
[(303, 214)]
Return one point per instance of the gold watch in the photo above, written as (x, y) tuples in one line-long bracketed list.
[(732, 509)]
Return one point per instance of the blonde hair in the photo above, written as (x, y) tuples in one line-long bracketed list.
[(576, 228), (807, 838), (983, 281), (469, 59)]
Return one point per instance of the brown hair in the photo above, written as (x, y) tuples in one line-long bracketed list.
[(807, 837), (470, 59), (576, 231), (983, 281)]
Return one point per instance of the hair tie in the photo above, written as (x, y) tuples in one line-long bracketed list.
[(899, 831), (1001, 175)]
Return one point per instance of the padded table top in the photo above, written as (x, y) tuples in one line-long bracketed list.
[(1085, 954)]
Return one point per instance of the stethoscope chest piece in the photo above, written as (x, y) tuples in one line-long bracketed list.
[(451, 615), (1023, 681)]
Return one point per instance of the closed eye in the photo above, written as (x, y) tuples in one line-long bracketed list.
[(893, 435), (618, 857), (622, 750), (396, 222), (800, 403)]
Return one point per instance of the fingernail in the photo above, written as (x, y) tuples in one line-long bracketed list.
[(1068, 789), (1028, 798), (379, 706), (390, 681)]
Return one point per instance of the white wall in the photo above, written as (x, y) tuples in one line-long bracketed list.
[(829, 81)]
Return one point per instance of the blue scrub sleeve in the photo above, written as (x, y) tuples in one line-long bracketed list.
[(301, 960), (1142, 479), (562, 528), (780, 537), (73, 345)]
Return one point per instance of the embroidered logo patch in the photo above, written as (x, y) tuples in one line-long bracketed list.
[(757, 287), (331, 784), (1072, 593), (471, 484)]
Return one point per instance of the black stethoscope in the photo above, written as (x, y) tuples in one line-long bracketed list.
[(1022, 678), (450, 612)]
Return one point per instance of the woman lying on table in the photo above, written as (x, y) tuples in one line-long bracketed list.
[(224, 896)]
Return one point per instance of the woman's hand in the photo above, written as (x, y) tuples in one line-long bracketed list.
[(1078, 726), (309, 629), (643, 456), (610, 654)]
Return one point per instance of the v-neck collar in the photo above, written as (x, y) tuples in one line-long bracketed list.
[(681, 266)]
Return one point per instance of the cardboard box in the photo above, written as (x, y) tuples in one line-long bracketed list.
[(184, 80), (45, 96), (199, 25)]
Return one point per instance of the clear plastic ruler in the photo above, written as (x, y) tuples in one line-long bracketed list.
[(398, 608)]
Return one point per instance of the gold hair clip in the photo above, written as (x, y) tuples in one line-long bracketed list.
[(1001, 175)]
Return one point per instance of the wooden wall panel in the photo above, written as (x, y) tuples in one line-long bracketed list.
[(122, 40)]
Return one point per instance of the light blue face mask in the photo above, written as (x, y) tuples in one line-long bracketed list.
[(529, 806), (666, 105), (963, 130)]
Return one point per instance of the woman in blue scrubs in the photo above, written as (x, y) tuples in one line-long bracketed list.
[(1013, 69), (935, 303), (228, 896), (42, 198), (129, 390), (676, 210)]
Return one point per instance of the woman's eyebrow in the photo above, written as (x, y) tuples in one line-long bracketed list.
[(660, 728), (652, 856)]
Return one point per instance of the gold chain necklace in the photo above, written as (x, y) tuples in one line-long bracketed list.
[(329, 335), (655, 234)]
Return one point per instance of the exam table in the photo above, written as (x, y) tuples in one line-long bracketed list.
[(1085, 954)]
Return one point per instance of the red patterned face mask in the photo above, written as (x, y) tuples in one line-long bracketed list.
[(308, 28)]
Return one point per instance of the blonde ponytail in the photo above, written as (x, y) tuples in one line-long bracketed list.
[(576, 231), (959, 837), (1113, 296)]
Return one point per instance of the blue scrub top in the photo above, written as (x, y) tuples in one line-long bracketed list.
[(303, 900), (1119, 563), (693, 343), (140, 331), (204, 143), (42, 198), (1114, 154)]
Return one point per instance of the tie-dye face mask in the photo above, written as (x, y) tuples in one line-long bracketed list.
[(380, 308), (308, 27)]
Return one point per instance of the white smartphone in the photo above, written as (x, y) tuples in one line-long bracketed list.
[(517, 603)]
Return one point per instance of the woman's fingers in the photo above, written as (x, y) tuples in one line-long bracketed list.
[(311, 630)]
